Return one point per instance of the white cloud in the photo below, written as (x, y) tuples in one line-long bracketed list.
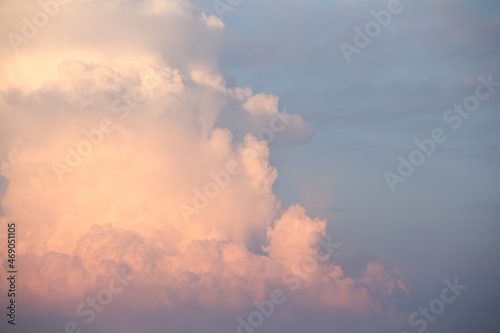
[(119, 207)]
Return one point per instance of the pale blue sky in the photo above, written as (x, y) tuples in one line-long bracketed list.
[(444, 220)]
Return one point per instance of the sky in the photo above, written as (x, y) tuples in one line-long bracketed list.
[(250, 166)]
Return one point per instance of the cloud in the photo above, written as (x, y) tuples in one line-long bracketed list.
[(108, 132), (261, 103)]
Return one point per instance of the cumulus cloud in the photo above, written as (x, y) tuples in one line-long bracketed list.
[(261, 103), (109, 132)]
